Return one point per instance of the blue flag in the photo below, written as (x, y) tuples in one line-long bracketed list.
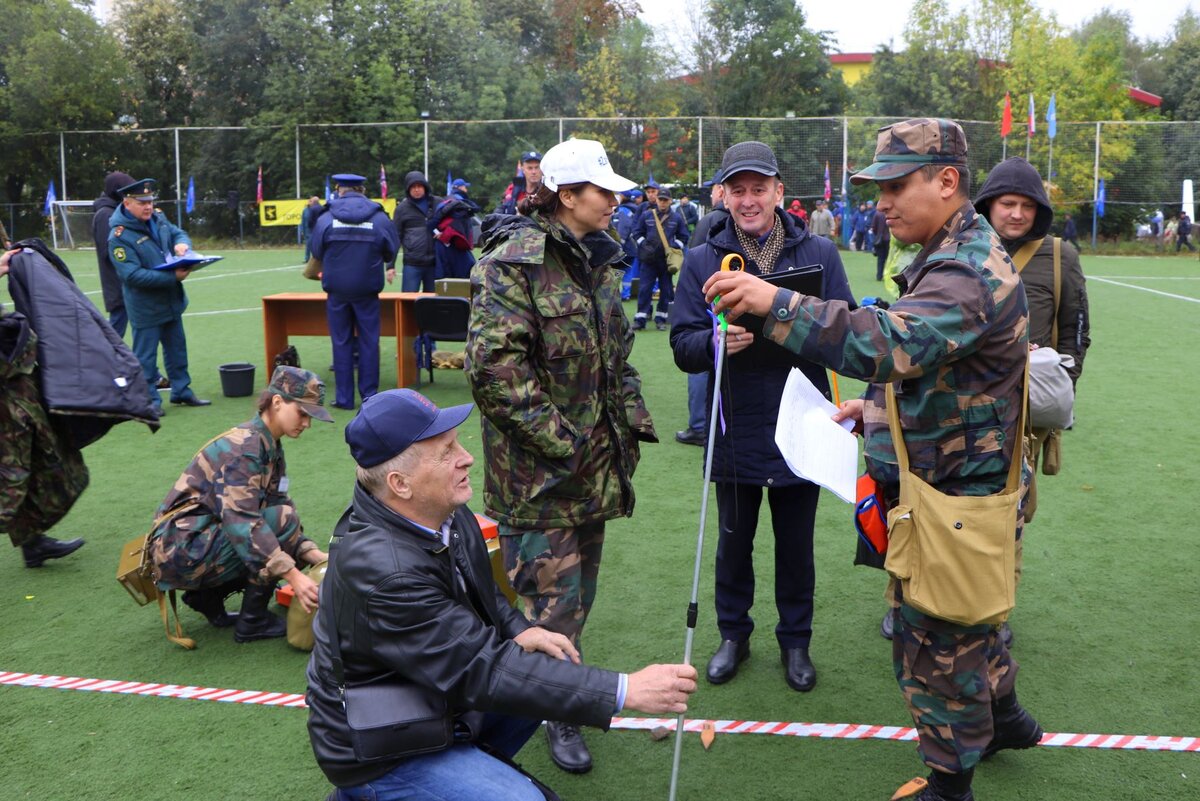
[(1051, 119), (449, 183), (328, 194), (1100, 199), (48, 209), (191, 196)]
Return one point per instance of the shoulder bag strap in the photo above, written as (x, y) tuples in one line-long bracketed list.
[(177, 637), (1014, 466), (661, 235), (1022, 256), (1057, 291)]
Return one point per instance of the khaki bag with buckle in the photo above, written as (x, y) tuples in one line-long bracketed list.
[(674, 255), (954, 555), (136, 574)]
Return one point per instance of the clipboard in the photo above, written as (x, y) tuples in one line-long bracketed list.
[(190, 260), (805, 280)]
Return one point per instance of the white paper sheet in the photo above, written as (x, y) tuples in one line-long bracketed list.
[(815, 447)]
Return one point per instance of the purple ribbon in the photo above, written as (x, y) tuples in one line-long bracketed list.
[(716, 339)]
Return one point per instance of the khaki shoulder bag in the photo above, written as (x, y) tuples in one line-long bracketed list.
[(136, 574), (674, 255), (953, 555)]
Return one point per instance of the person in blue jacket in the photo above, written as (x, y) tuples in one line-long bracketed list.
[(453, 225), (745, 457), (652, 258), (355, 242), (140, 240)]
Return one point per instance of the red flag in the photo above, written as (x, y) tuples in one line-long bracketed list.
[(382, 182), (1006, 120), (258, 194), (1032, 126)]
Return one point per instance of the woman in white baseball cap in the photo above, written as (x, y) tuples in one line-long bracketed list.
[(562, 408)]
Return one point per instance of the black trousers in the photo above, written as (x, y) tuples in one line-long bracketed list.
[(881, 257), (793, 512)]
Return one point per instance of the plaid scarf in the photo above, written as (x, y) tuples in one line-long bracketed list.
[(765, 255)]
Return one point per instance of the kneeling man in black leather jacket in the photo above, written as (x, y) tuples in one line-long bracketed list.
[(412, 600)]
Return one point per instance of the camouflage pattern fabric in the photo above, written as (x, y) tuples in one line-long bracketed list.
[(949, 675), (233, 518), (956, 341), (905, 147), (554, 571), (41, 474), (547, 358)]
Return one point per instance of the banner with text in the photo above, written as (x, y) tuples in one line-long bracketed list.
[(289, 212)]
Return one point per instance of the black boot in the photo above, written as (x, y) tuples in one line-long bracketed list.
[(1012, 726), (256, 622), (948, 787), (43, 548), (210, 602)]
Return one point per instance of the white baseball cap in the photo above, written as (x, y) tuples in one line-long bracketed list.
[(578, 161)]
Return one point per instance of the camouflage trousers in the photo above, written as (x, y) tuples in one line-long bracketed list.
[(191, 552), (950, 675), (554, 572)]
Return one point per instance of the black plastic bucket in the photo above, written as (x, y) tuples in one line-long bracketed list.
[(237, 379)]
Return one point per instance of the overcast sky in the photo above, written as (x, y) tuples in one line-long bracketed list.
[(859, 26)]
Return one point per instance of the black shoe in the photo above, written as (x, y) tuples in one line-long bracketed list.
[(44, 548), (212, 605), (948, 787), (691, 437), (660, 325), (799, 671), (343, 407), (162, 383), (567, 748), (639, 325), (256, 622), (887, 625), (724, 663), (191, 400), (1006, 634), (1012, 727)]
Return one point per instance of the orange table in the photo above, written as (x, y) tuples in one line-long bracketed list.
[(291, 314)]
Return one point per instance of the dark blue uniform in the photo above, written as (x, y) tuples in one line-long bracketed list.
[(652, 262), (354, 241), (154, 299)]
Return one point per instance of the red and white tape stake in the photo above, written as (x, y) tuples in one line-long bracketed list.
[(833, 731)]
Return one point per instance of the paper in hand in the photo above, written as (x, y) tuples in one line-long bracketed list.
[(814, 447)]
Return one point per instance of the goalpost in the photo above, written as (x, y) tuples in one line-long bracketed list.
[(73, 220)]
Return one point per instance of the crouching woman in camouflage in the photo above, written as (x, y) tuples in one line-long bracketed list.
[(562, 407), (228, 523)]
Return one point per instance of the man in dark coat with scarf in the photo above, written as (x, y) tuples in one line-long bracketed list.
[(412, 218), (745, 457)]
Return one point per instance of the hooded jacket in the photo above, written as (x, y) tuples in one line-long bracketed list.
[(548, 361), (412, 222), (102, 209), (354, 241), (1016, 176)]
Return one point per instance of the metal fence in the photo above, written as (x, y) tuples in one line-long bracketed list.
[(1142, 163)]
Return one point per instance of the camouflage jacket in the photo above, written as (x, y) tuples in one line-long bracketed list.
[(41, 474), (956, 342), (547, 357), (228, 485)]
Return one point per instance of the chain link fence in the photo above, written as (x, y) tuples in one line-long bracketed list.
[(1143, 164)]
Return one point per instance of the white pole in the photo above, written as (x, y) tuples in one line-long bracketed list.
[(297, 162), (700, 151), (178, 185), (560, 129), (62, 163), (426, 150), (845, 167), (1189, 203), (1050, 164), (1096, 186)]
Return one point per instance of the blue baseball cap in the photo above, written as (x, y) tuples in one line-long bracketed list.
[(459, 182), (390, 422), (531, 155), (348, 179)]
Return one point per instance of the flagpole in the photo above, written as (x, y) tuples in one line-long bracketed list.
[(1050, 163), (1028, 145), (178, 183), (1004, 150)]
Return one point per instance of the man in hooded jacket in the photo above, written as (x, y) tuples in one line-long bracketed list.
[(355, 242), (110, 282), (412, 216)]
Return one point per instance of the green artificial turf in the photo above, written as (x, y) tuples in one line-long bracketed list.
[(1106, 623)]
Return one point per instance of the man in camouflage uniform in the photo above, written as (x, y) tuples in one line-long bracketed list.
[(41, 473), (562, 412), (955, 346)]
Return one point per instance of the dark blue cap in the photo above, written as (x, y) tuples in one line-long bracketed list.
[(388, 423), (459, 182), (144, 189), (711, 182), (531, 155), (651, 184), (348, 179), (635, 192)]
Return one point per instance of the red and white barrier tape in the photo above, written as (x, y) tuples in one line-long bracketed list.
[(835, 731)]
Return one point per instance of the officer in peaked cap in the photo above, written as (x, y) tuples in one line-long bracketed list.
[(140, 241)]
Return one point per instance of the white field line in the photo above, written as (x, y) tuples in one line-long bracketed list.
[(1146, 289)]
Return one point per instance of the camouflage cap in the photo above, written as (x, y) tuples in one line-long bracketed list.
[(907, 146), (302, 387)]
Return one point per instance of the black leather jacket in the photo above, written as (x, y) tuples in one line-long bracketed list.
[(400, 609)]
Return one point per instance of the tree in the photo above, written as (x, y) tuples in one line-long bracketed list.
[(157, 42)]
